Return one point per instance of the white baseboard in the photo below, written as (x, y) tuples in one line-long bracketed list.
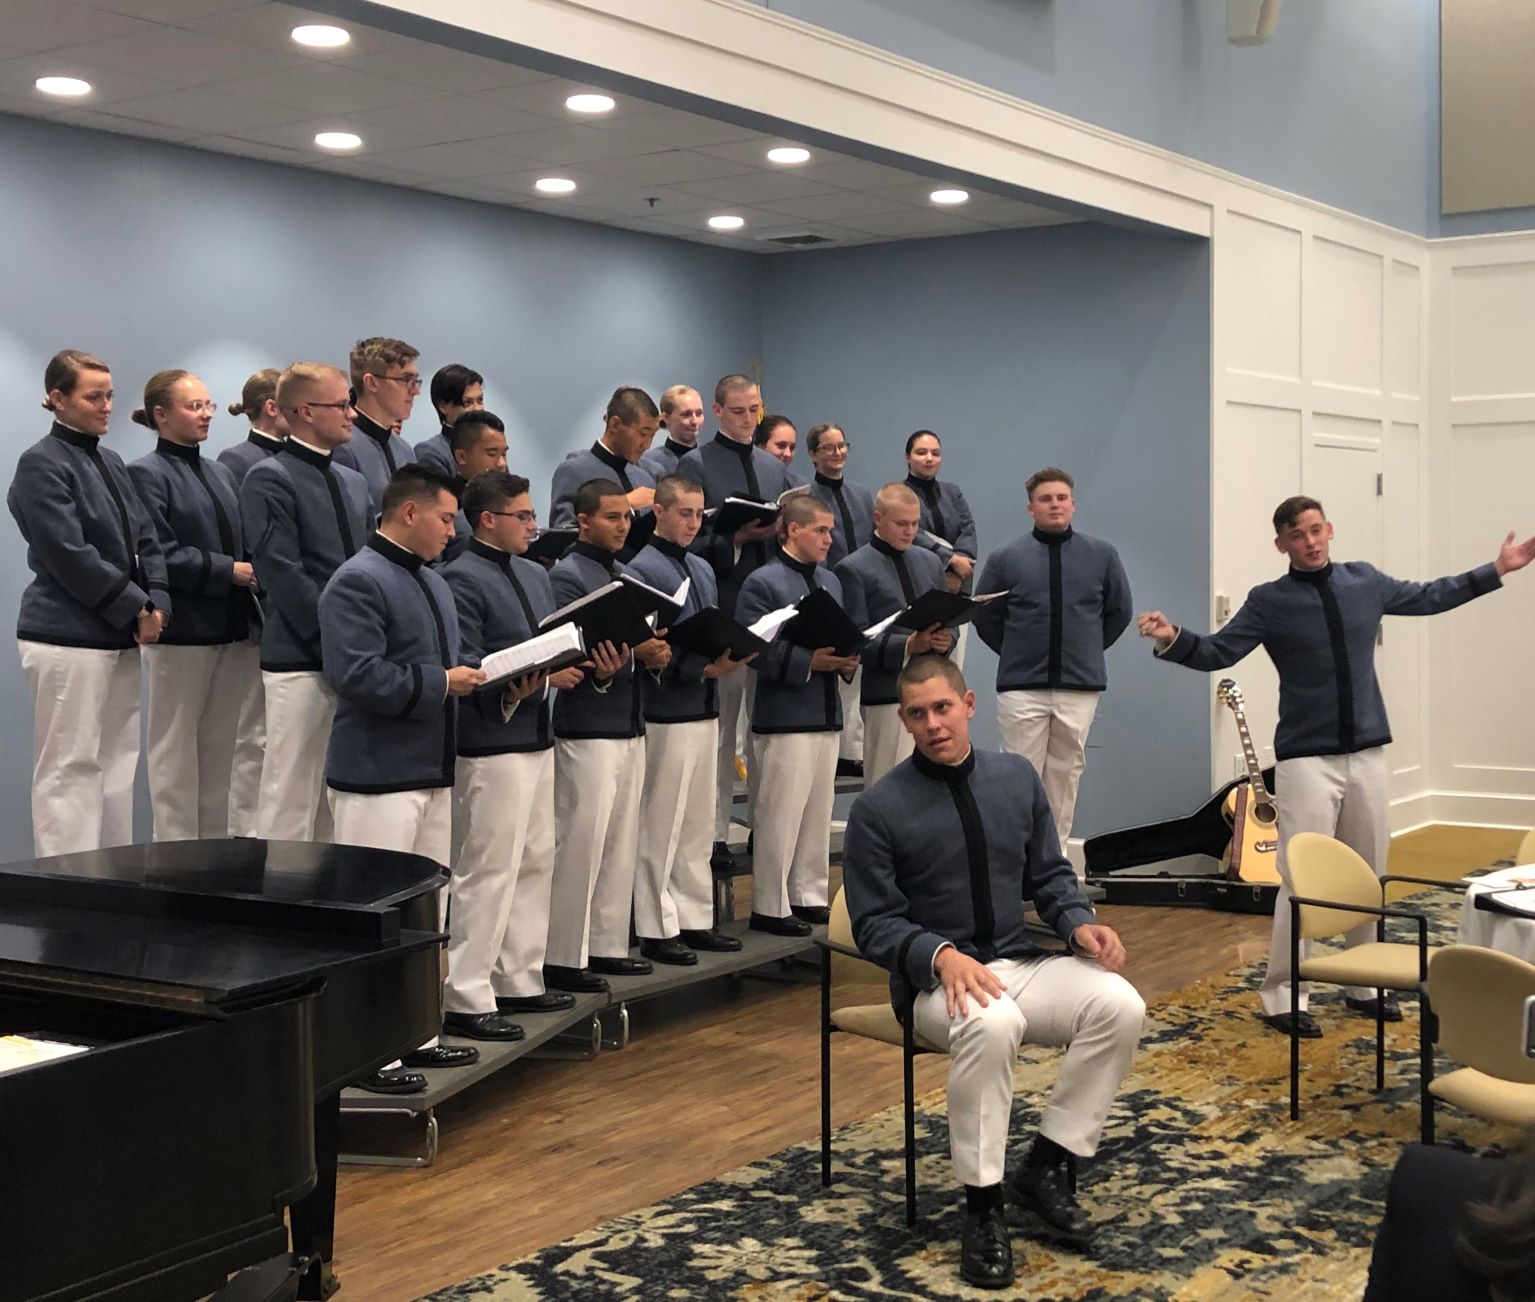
[(1409, 812), (1483, 809)]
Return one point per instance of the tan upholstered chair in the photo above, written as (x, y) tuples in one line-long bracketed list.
[(845, 972), (1333, 891), (1478, 999), (1526, 848)]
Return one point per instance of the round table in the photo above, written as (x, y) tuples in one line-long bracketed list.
[(1511, 932)]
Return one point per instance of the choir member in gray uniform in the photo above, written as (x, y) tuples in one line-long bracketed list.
[(673, 886), (682, 418), (796, 716), (599, 768), (852, 513), (389, 633), (205, 666), (503, 790), (258, 404), (629, 424), (385, 383), (455, 391), (1319, 623), (777, 436), (302, 515), (1068, 601), (268, 429), (948, 525), (882, 579), (99, 592), (731, 465), (478, 445), (941, 860)]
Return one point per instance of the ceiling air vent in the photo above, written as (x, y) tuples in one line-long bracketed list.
[(798, 240)]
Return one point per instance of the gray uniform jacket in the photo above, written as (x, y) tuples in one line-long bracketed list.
[(879, 581), (947, 515), (661, 460), (597, 462), (254, 448), (790, 696), (437, 452), (1319, 628), (584, 712), (682, 694), (500, 599), (1068, 600), (938, 852), (726, 468), (303, 516), (195, 506), (375, 453), (92, 549), (390, 633), (852, 514)]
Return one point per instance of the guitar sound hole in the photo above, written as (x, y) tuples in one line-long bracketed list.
[(1265, 814)]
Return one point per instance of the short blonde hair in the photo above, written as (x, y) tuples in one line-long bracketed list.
[(296, 383), (671, 394), (376, 355)]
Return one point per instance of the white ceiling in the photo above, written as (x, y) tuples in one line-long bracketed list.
[(224, 75)]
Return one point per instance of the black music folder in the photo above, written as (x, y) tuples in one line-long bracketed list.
[(550, 545), (711, 632), (616, 613), (820, 621), (939, 606)]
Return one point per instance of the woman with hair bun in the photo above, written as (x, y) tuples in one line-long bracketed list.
[(206, 666), (99, 592), (258, 404)]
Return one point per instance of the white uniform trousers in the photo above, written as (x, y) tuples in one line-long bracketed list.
[(1049, 729), (250, 747), (961, 639), (195, 695), (1053, 1001), (503, 868), (597, 786), (791, 840), (735, 697), (885, 741), (673, 886), (416, 822), (850, 747), (85, 745), (1343, 796), (300, 707)]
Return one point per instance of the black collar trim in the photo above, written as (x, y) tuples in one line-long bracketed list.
[(489, 553), (880, 545), (392, 551), (1052, 539), (681, 449), (807, 568), (378, 433), (591, 551), (927, 487), (950, 773), (668, 548), (829, 482), (608, 457), (264, 440), (75, 439), (1314, 577), (294, 448), (168, 449), (742, 450)]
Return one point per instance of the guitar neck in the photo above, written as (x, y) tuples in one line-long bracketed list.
[(1249, 752)]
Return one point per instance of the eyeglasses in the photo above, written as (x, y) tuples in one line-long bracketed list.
[(345, 405), (834, 448), (522, 517), (202, 408), (411, 382)]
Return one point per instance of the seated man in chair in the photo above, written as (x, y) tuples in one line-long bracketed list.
[(941, 857)]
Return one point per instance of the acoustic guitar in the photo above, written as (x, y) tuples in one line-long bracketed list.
[(1253, 855)]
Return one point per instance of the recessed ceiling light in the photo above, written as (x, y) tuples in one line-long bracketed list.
[(950, 196), (319, 36), (727, 222), (554, 184), (589, 103), (788, 155), (338, 140), (68, 86)]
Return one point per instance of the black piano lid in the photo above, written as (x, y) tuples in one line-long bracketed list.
[(206, 926)]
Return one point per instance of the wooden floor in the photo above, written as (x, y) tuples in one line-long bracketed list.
[(711, 1079)]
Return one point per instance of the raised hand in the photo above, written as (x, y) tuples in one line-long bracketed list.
[(1514, 555), (1154, 624)]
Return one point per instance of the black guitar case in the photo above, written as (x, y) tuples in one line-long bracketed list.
[(1177, 862)]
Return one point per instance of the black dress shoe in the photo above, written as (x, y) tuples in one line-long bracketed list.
[(722, 859), (985, 1252), (577, 980), (818, 914), (671, 951), (620, 966), (778, 926), (849, 768), (481, 1026), (1043, 1191), (1305, 1025), (1391, 1011), (713, 942), (441, 1055), (393, 1082), (549, 1002)]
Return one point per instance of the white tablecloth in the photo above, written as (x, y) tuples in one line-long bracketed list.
[(1512, 935)]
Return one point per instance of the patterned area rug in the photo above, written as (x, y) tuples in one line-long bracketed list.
[(1202, 1189)]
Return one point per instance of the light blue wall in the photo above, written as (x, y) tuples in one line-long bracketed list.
[(153, 256), (1335, 107), (1082, 346)]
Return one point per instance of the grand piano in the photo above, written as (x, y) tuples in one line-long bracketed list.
[(225, 991)]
